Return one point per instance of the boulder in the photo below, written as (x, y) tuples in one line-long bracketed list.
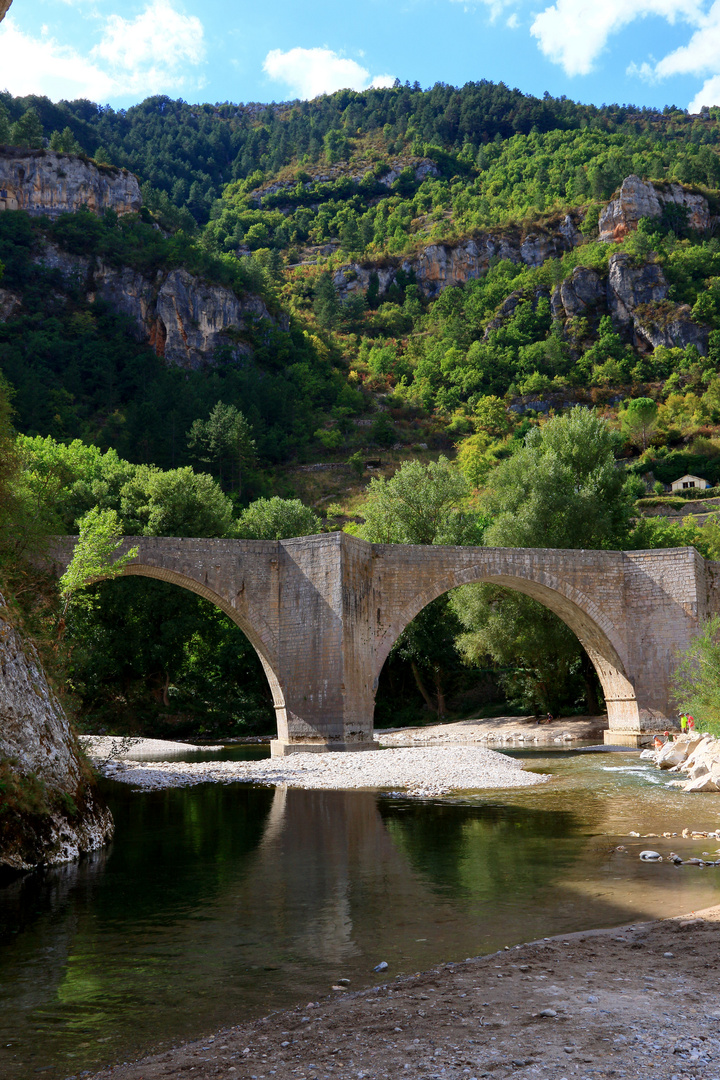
[(670, 325), (676, 752), (701, 783), (52, 813)]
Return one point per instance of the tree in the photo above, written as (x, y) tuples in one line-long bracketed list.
[(93, 557), (421, 504), (696, 681), (277, 519), (65, 142), (638, 419), (560, 490), (476, 458), (4, 125), (225, 441), (336, 146), (490, 415), (28, 130)]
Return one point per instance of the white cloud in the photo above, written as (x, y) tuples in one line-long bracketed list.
[(573, 33), (152, 53), (709, 95), (512, 22), (310, 72), (701, 56), (43, 66)]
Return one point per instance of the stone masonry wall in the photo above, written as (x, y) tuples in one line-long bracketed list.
[(324, 611)]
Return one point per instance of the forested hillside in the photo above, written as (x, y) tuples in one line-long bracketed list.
[(393, 274)]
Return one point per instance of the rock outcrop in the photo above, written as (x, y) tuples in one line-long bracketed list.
[(697, 755), (52, 813), (579, 295), (43, 182), (182, 317), (638, 199), (637, 301), (438, 266)]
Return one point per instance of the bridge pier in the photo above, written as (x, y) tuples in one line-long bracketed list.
[(324, 611)]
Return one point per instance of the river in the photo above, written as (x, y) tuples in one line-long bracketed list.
[(219, 903)]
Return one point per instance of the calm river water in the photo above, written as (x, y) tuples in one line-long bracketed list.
[(219, 903)]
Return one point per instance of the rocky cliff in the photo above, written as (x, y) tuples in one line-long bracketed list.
[(49, 811), (182, 317), (43, 182), (636, 298), (441, 265), (638, 199), (4, 5)]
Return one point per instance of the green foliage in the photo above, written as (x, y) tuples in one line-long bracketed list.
[(277, 519), (696, 680), (224, 441), (79, 372), (150, 657), (638, 419), (561, 488), (95, 556), (421, 504), (65, 142), (27, 131), (68, 481)]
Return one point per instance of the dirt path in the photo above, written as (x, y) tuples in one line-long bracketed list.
[(640, 1001)]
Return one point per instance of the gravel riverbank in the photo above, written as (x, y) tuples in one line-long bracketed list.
[(640, 1001), (420, 772)]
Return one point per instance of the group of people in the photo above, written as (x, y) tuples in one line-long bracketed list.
[(687, 726)]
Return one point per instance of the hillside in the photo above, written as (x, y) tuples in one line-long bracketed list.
[(362, 280)]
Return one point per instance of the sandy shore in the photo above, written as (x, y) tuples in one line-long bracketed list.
[(419, 772), (640, 1001)]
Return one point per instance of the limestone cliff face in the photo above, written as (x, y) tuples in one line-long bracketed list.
[(636, 298), (579, 295), (183, 318), (45, 182), (4, 5), (39, 755), (441, 265), (638, 199)]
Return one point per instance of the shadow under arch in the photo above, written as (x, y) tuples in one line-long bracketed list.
[(191, 585), (593, 629)]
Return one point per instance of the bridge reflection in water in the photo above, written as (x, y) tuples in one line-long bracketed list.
[(218, 903)]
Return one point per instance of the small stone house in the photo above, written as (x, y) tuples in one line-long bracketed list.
[(688, 481)]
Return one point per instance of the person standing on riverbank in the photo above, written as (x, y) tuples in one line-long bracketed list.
[(683, 724)]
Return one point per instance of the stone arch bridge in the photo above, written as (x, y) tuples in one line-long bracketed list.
[(323, 612)]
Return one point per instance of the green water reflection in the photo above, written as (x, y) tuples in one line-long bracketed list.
[(216, 903)]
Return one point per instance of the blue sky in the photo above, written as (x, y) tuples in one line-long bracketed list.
[(648, 52)]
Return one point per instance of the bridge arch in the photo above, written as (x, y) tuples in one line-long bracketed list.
[(161, 573), (578, 611)]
